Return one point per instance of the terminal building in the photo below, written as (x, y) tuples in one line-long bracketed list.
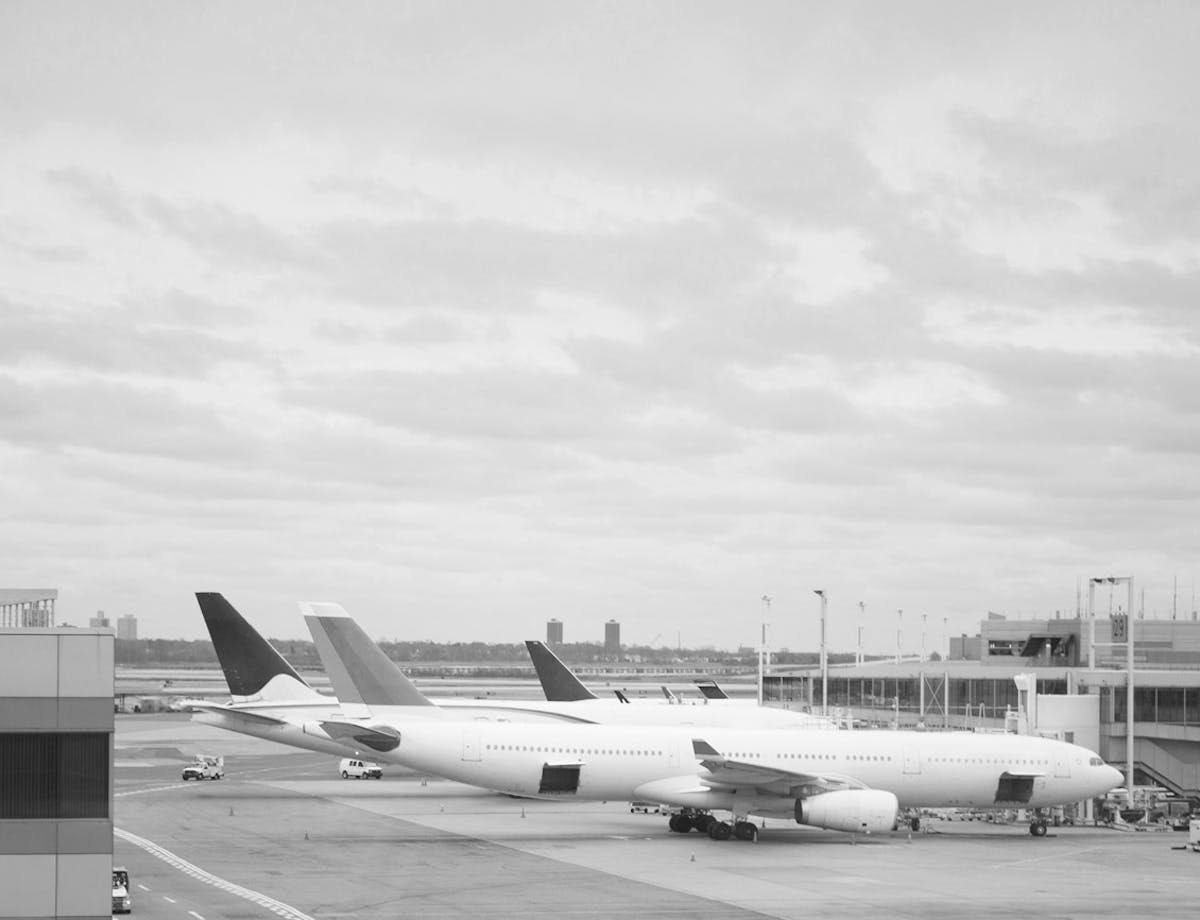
[(24, 607), (56, 750), (1078, 690)]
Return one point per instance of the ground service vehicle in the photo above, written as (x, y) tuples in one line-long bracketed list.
[(360, 769), (205, 766), (122, 902)]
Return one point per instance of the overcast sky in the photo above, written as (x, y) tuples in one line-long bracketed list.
[(469, 315)]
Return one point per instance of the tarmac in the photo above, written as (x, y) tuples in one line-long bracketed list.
[(282, 835)]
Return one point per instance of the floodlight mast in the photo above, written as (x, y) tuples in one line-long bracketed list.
[(762, 646), (824, 657)]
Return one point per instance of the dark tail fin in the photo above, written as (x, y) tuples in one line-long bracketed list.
[(711, 690), (558, 683), (249, 661)]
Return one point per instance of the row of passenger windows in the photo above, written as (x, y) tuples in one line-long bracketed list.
[(562, 750), (998, 761)]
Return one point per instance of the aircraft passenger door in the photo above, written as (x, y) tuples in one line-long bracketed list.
[(912, 759), (470, 748), (1062, 766)]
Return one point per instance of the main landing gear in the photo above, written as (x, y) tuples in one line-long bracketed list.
[(1037, 824), (705, 823)]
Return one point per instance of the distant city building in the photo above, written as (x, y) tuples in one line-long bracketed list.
[(27, 607), (554, 632), (99, 621), (612, 638), (127, 627)]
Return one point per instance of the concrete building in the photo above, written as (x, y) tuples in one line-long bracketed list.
[(56, 750), (99, 621), (612, 638), (554, 632), (127, 627), (22, 607), (1088, 705)]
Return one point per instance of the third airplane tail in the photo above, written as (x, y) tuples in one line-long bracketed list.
[(558, 683)]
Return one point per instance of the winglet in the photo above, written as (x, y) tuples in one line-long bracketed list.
[(621, 696), (671, 697), (248, 660), (358, 669), (558, 682), (702, 748)]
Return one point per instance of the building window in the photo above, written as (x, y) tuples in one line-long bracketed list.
[(54, 775)]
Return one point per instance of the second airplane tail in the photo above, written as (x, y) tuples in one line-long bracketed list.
[(360, 672)]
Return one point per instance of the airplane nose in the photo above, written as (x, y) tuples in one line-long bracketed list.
[(1115, 777)]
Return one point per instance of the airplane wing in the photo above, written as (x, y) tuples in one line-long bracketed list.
[(235, 715), (726, 771)]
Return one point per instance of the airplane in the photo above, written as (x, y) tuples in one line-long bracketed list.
[(847, 781), (363, 676)]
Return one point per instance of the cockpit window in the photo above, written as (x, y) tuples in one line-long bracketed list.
[(1096, 762)]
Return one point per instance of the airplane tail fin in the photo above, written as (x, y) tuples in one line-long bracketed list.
[(558, 682), (362, 675), (253, 668), (671, 697), (711, 690)]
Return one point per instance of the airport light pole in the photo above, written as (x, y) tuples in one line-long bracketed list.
[(824, 657), (862, 613), (899, 632), (762, 645)]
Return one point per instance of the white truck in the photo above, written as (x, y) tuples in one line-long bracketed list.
[(205, 766)]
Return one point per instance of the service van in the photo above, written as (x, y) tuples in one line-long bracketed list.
[(360, 769)]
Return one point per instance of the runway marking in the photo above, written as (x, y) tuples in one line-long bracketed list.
[(255, 897), (1021, 862), (196, 915), (172, 900), (117, 795), (143, 887)]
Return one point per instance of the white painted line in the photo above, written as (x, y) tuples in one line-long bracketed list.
[(143, 887), (196, 915), (172, 900), (255, 897)]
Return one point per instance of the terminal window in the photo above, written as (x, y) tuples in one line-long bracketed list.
[(54, 775)]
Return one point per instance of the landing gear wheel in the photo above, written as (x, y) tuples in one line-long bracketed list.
[(703, 823), (1038, 829), (914, 824), (745, 830), (719, 830), (680, 824)]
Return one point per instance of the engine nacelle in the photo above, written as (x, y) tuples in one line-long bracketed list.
[(856, 810)]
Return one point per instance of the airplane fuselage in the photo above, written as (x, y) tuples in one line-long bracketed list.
[(658, 764)]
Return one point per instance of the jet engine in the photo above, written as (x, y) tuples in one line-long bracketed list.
[(861, 810)]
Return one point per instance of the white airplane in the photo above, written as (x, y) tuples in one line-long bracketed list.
[(364, 678), (849, 781)]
